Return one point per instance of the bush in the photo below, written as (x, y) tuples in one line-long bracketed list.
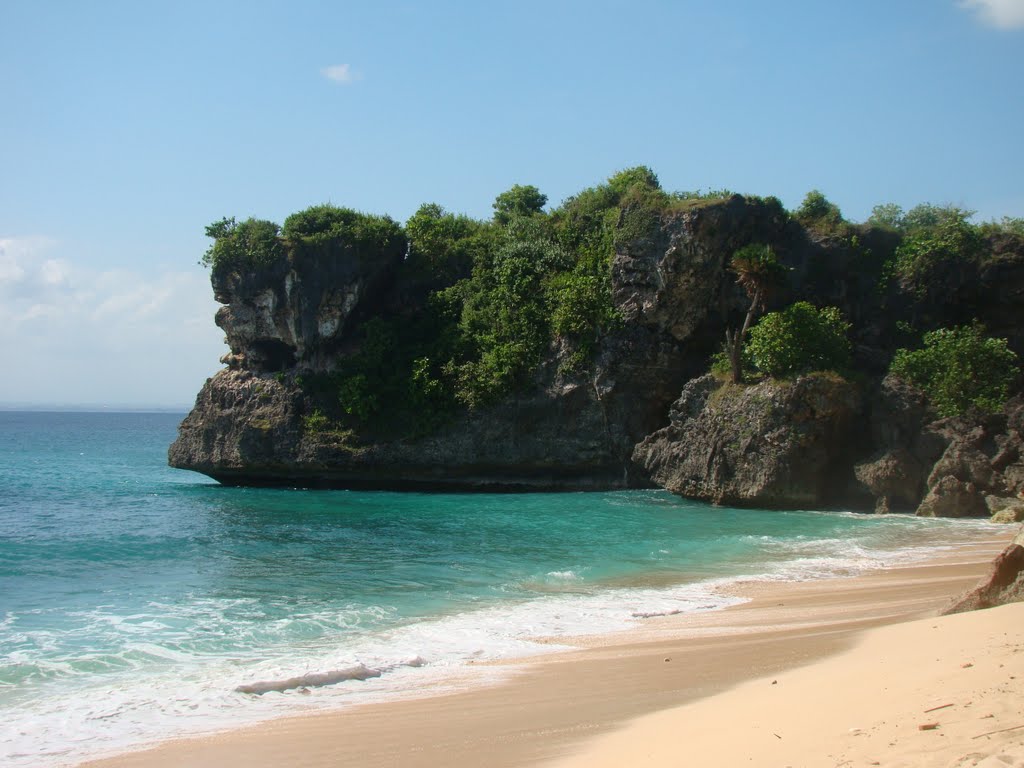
[(1008, 225), (816, 210), (799, 339), (442, 244), (328, 227), (887, 215), (935, 237), (251, 244), (958, 368), (518, 201)]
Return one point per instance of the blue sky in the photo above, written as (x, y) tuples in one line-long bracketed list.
[(127, 127)]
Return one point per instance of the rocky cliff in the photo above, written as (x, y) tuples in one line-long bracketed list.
[(564, 430), (618, 419), (967, 466)]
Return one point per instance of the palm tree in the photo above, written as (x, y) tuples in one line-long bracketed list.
[(758, 271)]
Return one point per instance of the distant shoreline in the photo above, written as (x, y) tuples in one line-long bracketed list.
[(554, 704)]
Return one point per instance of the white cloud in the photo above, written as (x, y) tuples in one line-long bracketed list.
[(340, 73), (1005, 14), (13, 251), (78, 335)]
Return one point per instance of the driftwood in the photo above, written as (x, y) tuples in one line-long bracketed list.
[(1001, 730)]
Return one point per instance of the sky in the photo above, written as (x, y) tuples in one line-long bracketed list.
[(127, 127)]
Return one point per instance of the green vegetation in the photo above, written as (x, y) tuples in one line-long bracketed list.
[(478, 306), (328, 227), (799, 339), (934, 238), (1008, 225), (484, 300), (256, 245), (818, 212), (518, 201), (758, 272), (251, 244), (959, 368)]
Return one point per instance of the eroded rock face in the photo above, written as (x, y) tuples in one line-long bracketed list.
[(564, 431), (774, 444), (674, 280), (979, 465), (950, 497), (940, 467), (779, 445), (252, 429), (297, 312)]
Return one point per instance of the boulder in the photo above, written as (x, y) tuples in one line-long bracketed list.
[(772, 444), (1005, 509), (1004, 583), (950, 497), (895, 479)]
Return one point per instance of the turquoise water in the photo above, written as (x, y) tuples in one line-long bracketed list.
[(139, 602)]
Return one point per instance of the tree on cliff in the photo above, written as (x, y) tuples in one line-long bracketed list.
[(799, 339), (959, 368), (520, 200), (758, 271)]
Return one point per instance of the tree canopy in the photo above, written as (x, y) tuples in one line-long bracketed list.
[(799, 339), (959, 368), (518, 201)]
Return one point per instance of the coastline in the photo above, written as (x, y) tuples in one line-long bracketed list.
[(550, 707)]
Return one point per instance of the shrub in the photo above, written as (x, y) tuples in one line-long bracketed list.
[(935, 237), (316, 422), (1008, 225), (888, 215), (816, 210), (799, 339), (251, 244), (958, 368), (520, 200), (327, 227), (444, 244)]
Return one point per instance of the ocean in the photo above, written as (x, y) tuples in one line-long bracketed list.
[(138, 602)]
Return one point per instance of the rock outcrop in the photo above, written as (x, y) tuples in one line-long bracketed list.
[(969, 466), (772, 444), (1004, 583), (611, 422), (251, 425), (298, 311)]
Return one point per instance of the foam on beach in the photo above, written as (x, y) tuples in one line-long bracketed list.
[(171, 675)]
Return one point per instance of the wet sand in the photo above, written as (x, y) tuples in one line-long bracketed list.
[(577, 705)]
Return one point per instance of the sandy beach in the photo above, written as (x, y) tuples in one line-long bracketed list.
[(825, 673)]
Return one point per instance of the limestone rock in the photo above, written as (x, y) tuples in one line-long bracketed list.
[(1011, 515), (1005, 509), (296, 312), (950, 497), (1004, 583), (773, 444), (559, 431), (895, 478)]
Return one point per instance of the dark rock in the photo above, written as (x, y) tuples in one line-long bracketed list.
[(565, 431), (296, 312), (895, 479), (773, 444)]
